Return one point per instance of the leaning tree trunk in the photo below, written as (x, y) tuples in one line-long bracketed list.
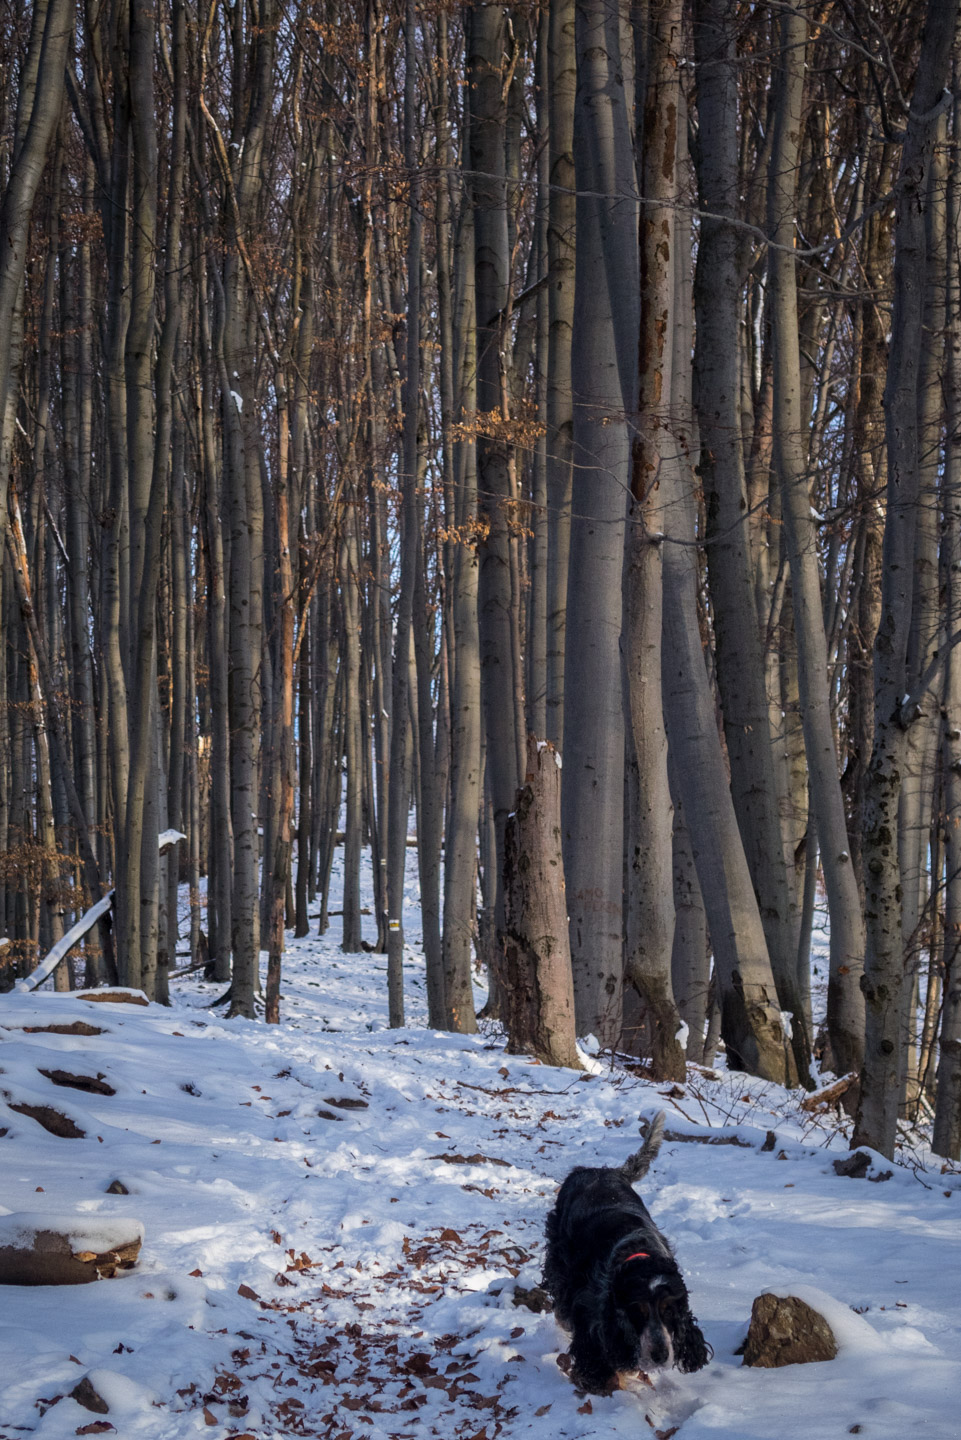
[(883, 967), (540, 989), (750, 1016)]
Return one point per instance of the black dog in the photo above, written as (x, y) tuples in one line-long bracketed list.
[(615, 1283)]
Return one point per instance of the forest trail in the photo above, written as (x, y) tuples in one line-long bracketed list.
[(338, 1217)]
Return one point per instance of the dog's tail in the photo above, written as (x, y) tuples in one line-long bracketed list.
[(638, 1164)]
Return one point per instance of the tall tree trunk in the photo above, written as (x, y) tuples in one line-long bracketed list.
[(739, 656), (466, 792), (946, 1139), (845, 1006), (39, 109), (561, 90), (648, 960), (486, 66), (604, 370), (883, 968)]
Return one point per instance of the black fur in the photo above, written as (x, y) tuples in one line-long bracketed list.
[(625, 1311)]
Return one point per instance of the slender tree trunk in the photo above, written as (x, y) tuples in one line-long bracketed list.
[(466, 792), (39, 114), (486, 62), (604, 370), (845, 1006), (739, 657), (561, 89), (883, 968), (648, 960), (353, 738), (946, 1139)]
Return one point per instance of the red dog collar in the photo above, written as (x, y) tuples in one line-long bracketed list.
[(638, 1255)]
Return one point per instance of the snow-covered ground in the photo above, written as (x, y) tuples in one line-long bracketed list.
[(337, 1217)]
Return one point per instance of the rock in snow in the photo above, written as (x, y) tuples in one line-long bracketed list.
[(785, 1330)]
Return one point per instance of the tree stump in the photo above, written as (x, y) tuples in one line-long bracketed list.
[(537, 958), (38, 1249)]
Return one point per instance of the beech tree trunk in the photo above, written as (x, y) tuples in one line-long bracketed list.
[(845, 1016), (651, 933), (883, 969), (604, 370), (740, 661)]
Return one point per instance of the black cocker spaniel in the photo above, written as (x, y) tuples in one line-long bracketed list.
[(615, 1283)]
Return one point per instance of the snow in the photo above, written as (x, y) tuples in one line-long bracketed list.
[(337, 1215), (98, 1233)]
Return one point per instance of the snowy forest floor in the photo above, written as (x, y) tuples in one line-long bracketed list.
[(338, 1217)]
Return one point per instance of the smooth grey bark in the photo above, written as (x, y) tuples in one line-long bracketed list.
[(845, 1005), (921, 741), (654, 454), (431, 778), (561, 91), (39, 106), (604, 384), (241, 174), (486, 63), (738, 647), (690, 953), (746, 997), (946, 1138), (221, 851), (399, 783), (466, 795), (536, 684), (883, 969), (350, 579)]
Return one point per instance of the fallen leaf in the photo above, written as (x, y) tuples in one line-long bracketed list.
[(98, 1427), (209, 1417), (196, 1273), (586, 1409), (543, 1410), (247, 1293)]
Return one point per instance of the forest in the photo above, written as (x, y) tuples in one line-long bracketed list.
[(398, 398)]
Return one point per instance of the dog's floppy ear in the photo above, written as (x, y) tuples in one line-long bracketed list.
[(691, 1350)]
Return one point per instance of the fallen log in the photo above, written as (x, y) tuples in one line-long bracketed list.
[(57, 1249), (827, 1096)]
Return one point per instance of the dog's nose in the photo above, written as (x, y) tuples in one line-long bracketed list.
[(660, 1350)]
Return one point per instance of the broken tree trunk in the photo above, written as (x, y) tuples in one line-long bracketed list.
[(537, 946)]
